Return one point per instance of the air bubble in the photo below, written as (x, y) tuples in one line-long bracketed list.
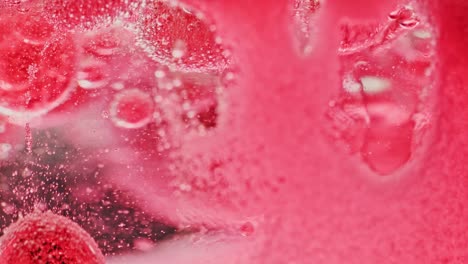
[(159, 74), (91, 75), (105, 43), (132, 108), (422, 34), (247, 229), (374, 85), (375, 115)]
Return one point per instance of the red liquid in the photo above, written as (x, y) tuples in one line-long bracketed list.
[(388, 186)]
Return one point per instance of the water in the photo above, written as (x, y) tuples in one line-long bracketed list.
[(88, 102), (384, 77), (163, 155)]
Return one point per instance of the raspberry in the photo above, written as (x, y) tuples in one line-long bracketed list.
[(36, 64), (67, 14), (180, 37), (49, 239)]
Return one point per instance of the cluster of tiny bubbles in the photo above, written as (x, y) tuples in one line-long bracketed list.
[(190, 98), (359, 37), (189, 81), (176, 35), (82, 15), (101, 51), (305, 13), (49, 173), (201, 176), (156, 77), (382, 111), (191, 86), (188, 94)]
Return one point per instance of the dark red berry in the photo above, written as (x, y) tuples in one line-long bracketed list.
[(41, 238)]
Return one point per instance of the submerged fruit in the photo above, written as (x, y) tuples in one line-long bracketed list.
[(180, 37), (41, 238), (36, 65)]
